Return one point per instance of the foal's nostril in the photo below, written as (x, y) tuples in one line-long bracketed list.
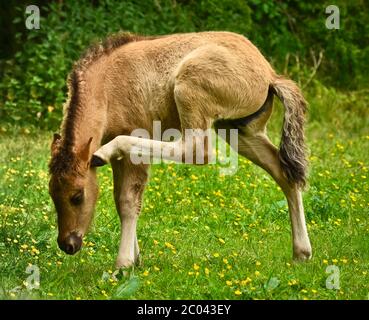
[(69, 248), (71, 244)]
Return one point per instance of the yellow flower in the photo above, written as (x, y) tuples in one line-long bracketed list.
[(334, 261), (221, 241), (225, 261), (257, 273), (228, 283), (207, 271), (258, 263), (237, 292), (169, 245), (325, 261), (156, 242), (196, 267), (146, 273), (246, 281), (156, 268), (216, 254), (292, 282)]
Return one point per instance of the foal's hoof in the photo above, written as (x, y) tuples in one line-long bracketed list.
[(124, 264), (128, 263), (302, 255), (97, 161)]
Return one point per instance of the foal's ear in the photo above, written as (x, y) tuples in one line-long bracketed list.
[(97, 162), (84, 152), (56, 143)]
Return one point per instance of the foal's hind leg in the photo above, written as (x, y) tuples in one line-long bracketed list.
[(254, 144), (129, 184)]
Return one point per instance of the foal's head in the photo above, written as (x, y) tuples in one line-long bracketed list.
[(74, 190)]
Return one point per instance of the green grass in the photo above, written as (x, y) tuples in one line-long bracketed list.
[(202, 236)]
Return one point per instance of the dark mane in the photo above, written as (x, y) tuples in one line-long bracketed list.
[(64, 160), (106, 46)]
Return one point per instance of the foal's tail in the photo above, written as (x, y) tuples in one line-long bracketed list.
[(292, 151)]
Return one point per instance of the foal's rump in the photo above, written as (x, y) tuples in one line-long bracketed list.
[(224, 80)]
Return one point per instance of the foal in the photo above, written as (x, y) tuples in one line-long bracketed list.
[(185, 81)]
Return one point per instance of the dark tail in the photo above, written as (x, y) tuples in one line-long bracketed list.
[(292, 151)]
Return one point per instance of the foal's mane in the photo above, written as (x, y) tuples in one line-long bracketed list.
[(64, 160)]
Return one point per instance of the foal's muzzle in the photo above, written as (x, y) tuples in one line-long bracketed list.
[(71, 244)]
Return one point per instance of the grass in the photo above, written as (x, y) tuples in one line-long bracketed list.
[(202, 236)]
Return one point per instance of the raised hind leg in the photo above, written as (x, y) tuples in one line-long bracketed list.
[(254, 144)]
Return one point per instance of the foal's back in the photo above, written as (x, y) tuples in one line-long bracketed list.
[(225, 64)]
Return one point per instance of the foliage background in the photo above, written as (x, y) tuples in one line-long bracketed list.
[(34, 63)]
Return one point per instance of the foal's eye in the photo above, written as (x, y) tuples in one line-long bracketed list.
[(77, 198)]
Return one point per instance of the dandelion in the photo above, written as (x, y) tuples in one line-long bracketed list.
[(334, 261), (257, 273), (228, 283), (146, 273), (292, 282), (246, 281), (221, 241), (237, 292), (169, 245), (325, 261), (225, 261), (196, 267), (258, 263)]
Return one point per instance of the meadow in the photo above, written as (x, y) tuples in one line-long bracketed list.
[(202, 235)]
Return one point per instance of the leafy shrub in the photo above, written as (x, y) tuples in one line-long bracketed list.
[(33, 85)]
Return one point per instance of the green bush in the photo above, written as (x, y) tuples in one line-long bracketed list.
[(33, 84)]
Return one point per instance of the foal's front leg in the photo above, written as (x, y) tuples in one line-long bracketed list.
[(129, 184)]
